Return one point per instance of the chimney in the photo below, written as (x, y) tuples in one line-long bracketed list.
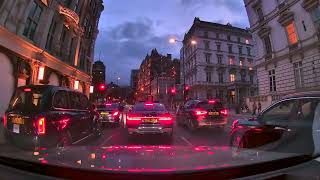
[(169, 56)]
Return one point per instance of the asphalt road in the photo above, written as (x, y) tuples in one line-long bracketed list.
[(182, 137)]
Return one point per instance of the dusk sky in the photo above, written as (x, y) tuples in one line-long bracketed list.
[(129, 29)]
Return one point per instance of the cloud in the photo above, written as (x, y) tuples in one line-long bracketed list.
[(232, 5), (123, 47)]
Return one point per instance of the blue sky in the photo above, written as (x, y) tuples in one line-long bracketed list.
[(129, 29)]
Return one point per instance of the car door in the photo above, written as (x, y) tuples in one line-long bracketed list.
[(275, 122), (87, 119), (78, 116)]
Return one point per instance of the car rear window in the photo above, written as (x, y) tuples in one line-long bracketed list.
[(28, 99), (209, 106), (154, 107), (107, 107)]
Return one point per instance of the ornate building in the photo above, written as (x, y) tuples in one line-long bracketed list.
[(218, 62), (47, 42), (157, 75), (286, 34)]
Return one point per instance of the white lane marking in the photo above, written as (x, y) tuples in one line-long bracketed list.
[(108, 139), (186, 141), (82, 139)]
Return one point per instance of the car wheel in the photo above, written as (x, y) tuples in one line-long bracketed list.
[(65, 140), (97, 127), (191, 125)]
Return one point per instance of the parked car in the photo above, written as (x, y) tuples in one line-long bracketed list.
[(286, 126), (149, 118), (110, 113), (44, 115), (202, 113)]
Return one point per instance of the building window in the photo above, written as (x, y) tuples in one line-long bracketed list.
[(239, 39), (228, 37), (243, 77), (272, 81), (206, 44), (208, 76), (231, 61), (230, 48), (260, 13), (218, 47), (220, 75), (251, 78), (206, 34), (50, 37), (241, 61), (298, 74), (240, 49), (232, 77), (248, 51), (62, 40), (219, 57), (247, 41), (32, 21), (315, 14), (267, 45), (208, 57), (70, 59), (217, 35), (67, 3), (291, 32)]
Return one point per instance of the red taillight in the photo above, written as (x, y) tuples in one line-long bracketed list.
[(224, 112), (108, 104), (5, 121), (199, 112), (165, 117), (116, 113), (27, 90), (211, 101), (41, 125), (149, 104), (133, 119)]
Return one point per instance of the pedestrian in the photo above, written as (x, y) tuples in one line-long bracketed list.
[(254, 108), (259, 107)]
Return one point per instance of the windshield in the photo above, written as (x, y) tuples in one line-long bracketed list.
[(159, 85), (107, 107), (148, 107)]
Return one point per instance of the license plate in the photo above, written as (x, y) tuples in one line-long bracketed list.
[(104, 113), (150, 120), (213, 113), (17, 120), (16, 128)]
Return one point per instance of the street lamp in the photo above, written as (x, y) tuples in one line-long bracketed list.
[(118, 80), (193, 42)]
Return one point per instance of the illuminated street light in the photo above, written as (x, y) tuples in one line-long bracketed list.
[(172, 40), (193, 42)]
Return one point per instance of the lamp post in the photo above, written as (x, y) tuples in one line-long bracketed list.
[(193, 42)]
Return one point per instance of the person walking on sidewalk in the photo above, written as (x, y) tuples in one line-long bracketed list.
[(254, 108), (259, 107)]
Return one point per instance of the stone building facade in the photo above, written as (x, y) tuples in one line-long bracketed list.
[(47, 42), (218, 62), (286, 35)]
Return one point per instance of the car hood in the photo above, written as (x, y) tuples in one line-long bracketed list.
[(148, 158)]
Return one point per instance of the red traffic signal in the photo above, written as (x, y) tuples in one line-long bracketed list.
[(173, 91), (102, 87)]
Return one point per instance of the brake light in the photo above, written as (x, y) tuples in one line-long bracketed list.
[(27, 89), (148, 104), (108, 104), (212, 101), (41, 125), (4, 121), (199, 112), (165, 117), (116, 113), (133, 120), (224, 112)]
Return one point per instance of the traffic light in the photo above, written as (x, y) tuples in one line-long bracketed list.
[(102, 87), (186, 91), (173, 91)]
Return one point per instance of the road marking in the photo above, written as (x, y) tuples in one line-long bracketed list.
[(82, 139), (108, 139), (186, 141)]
